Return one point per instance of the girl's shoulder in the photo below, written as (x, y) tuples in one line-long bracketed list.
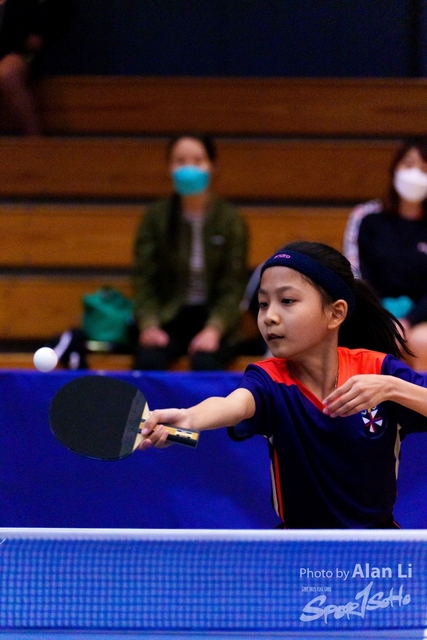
[(364, 361), (270, 372), (351, 362), (358, 361)]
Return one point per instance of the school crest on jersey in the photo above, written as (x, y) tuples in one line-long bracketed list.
[(374, 423)]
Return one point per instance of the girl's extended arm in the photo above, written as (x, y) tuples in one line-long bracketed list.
[(212, 413), (364, 391)]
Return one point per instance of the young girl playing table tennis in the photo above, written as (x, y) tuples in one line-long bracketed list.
[(334, 401)]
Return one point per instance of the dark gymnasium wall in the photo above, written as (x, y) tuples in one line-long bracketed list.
[(314, 38)]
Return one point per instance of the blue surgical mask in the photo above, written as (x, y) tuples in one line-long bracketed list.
[(189, 180)]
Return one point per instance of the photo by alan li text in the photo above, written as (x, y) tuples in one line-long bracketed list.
[(367, 599), (359, 570)]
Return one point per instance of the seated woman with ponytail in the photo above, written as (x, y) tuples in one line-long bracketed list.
[(190, 266), (334, 400)]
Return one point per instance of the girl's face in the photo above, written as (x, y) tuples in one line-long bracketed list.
[(189, 151), (292, 318)]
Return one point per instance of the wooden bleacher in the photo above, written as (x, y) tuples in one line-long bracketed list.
[(56, 236), (294, 155), (255, 170), (52, 238), (235, 106)]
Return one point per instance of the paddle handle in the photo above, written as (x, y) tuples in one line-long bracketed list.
[(180, 436), (183, 436)]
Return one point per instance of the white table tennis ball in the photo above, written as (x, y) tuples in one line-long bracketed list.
[(45, 359)]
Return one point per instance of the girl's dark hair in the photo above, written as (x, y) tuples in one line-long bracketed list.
[(370, 326), (176, 204), (419, 143)]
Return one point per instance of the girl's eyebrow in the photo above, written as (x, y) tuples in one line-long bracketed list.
[(285, 287)]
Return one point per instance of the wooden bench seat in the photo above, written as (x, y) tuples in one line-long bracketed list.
[(260, 106), (67, 235), (249, 169), (271, 227), (34, 305), (101, 236), (38, 307)]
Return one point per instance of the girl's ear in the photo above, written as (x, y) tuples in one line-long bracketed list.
[(338, 314)]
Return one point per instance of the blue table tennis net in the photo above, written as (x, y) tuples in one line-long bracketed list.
[(212, 581)]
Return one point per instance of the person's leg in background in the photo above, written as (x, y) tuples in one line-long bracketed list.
[(16, 95), (193, 320), (182, 330), (160, 358), (156, 358), (212, 361), (70, 347)]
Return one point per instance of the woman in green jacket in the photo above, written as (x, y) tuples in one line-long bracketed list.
[(190, 267)]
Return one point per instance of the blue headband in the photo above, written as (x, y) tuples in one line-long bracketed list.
[(326, 278)]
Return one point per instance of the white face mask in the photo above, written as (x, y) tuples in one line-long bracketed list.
[(411, 184)]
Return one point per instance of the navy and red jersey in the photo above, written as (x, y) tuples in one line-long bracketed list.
[(328, 472)]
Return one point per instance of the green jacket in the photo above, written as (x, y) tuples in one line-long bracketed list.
[(161, 272)]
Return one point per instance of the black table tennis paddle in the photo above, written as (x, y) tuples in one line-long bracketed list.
[(102, 417)]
